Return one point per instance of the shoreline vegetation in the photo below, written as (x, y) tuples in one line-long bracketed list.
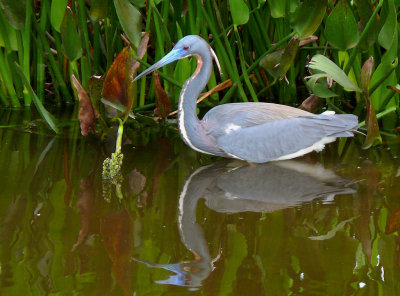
[(339, 55)]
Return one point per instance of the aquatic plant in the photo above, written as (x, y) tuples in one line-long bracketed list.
[(264, 48)]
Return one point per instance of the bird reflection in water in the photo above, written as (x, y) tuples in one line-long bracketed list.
[(234, 187)]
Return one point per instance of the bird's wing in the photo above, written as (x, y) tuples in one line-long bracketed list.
[(241, 115), (272, 140)]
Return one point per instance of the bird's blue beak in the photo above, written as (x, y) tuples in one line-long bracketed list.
[(172, 56)]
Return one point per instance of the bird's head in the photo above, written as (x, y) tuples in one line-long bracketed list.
[(187, 46)]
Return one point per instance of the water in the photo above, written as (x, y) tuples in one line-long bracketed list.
[(189, 224)]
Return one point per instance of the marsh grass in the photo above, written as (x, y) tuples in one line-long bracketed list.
[(48, 41)]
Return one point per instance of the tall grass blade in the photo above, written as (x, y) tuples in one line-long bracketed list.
[(48, 117)]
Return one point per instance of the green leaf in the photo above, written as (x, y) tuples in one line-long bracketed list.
[(382, 76), (308, 16), (271, 62), (48, 117), (8, 38), (71, 41), (319, 88), (240, 12), (278, 62), (57, 12), (389, 29), (280, 7), (365, 10), (322, 63), (341, 27), (130, 19), (182, 71), (331, 233), (99, 9), (14, 12)]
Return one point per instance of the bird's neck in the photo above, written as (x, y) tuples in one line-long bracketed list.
[(188, 120)]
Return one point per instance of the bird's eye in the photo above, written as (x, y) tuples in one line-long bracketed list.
[(186, 47)]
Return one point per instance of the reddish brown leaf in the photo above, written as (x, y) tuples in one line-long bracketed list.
[(86, 112), (309, 39), (393, 89), (118, 84), (393, 223), (365, 75), (85, 206), (371, 121), (116, 229), (215, 89), (311, 104), (115, 88), (218, 88), (163, 102)]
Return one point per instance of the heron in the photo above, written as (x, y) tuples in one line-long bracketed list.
[(252, 131)]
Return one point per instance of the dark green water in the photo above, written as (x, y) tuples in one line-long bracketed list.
[(188, 224)]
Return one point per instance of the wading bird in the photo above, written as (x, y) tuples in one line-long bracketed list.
[(254, 132)]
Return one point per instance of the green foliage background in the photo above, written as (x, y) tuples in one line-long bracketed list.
[(44, 42)]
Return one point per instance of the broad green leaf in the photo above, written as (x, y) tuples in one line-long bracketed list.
[(71, 41), (343, 60), (99, 9), (130, 19), (14, 12), (389, 29), (280, 7), (48, 117), (322, 63), (341, 27), (271, 62), (182, 71), (95, 87), (278, 62), (320, 89), (383, 75), (57, 12), (240, 12), (8, 38), (308, 16), (139, 3)]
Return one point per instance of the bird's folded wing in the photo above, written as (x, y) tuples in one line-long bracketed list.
[(272, 140)]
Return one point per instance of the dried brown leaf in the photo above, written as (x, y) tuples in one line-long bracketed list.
[(393, 223), (163, 102), (118, 83), (215, 89), (311, 104), (86, 112), (309, 39)]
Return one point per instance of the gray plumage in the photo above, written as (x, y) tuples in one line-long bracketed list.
[(255, 132)]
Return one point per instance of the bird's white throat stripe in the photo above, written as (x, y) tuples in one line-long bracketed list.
[(181, 120)]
